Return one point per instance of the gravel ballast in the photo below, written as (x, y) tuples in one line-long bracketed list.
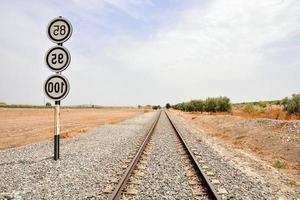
[(164, 176), (86, 163)]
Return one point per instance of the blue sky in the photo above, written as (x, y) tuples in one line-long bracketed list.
[(130, 52)]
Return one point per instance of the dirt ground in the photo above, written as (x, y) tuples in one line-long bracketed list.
[(276, 142), (21, 126)]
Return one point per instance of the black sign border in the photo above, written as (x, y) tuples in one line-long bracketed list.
[(66, 37), (65, 81), (68, 57)]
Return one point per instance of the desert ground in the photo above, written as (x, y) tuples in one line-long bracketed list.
[(276, 142), (21, 126)]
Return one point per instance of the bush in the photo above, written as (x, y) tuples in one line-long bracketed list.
[(210, 105), (263, 104), (168, 106), (198, 105), (249, 108), (219, 104), (190, 107), (279, 165), (48, 104), (156, 107), (292, 106), (223, 104)]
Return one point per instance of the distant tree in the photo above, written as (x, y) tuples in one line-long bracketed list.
[(263, 104), (48, 104), (198, 105), (168, 106), (210, 105), (292, 106), (156, 107), (218, 104), (139, 106), (249, 108)]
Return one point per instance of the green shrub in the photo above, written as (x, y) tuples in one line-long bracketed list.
[(210, 105), (223, 104), (198, 105), (279, 165), (219, 104), (249, 108), (48, 104), (262, 110), (263, 104), (292, 106), (156, 107), (168, 106), (190, 107)]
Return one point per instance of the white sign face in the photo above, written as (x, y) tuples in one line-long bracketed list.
[(59, 30), (58, 58), (56, 87)]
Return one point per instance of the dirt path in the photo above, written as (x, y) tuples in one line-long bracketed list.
[(21, 126)]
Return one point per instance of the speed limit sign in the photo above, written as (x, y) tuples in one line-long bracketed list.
[(59, 30), (56, 87), (58, 58)]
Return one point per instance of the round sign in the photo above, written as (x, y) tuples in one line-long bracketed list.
[(56, 87), (58, 58), (59, 30)]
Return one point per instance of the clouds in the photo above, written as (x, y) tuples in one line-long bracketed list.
[(221, 49), (138, 52)]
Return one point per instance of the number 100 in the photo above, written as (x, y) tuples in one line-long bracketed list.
[(56, 87)]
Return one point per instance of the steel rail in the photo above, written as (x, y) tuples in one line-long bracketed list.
[(212, 192), (122, 183)]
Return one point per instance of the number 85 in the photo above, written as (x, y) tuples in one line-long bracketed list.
[(59, 30)]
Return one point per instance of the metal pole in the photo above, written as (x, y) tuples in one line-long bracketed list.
[(57, 125), (57, 130)]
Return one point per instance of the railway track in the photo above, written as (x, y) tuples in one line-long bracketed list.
[(199, 182)]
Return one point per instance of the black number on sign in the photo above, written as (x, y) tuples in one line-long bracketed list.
[(60, 58), (62, 29), (59, 30), (50, 87), (56, 87), (53, 59), (62, 87), (57, 58), (55, 32)]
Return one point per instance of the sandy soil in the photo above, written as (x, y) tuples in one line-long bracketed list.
[(266, 139), (21, 126)]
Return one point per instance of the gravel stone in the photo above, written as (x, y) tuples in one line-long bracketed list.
[(86, 163), (164, 176)]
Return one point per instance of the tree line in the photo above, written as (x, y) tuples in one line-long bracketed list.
[(211, 104), (223, 104)]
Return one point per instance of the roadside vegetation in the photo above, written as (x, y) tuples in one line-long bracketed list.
[(279, 164), (156, 107), (211, 104), (285, 109)]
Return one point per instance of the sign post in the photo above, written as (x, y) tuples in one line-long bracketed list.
[(58, 58)]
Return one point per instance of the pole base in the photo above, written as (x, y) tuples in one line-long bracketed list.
[(56, 147)]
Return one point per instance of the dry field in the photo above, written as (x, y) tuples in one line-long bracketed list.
[(270, 112), (21, 126), (277, 142)]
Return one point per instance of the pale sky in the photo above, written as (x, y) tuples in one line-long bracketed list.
[(130, 52)]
